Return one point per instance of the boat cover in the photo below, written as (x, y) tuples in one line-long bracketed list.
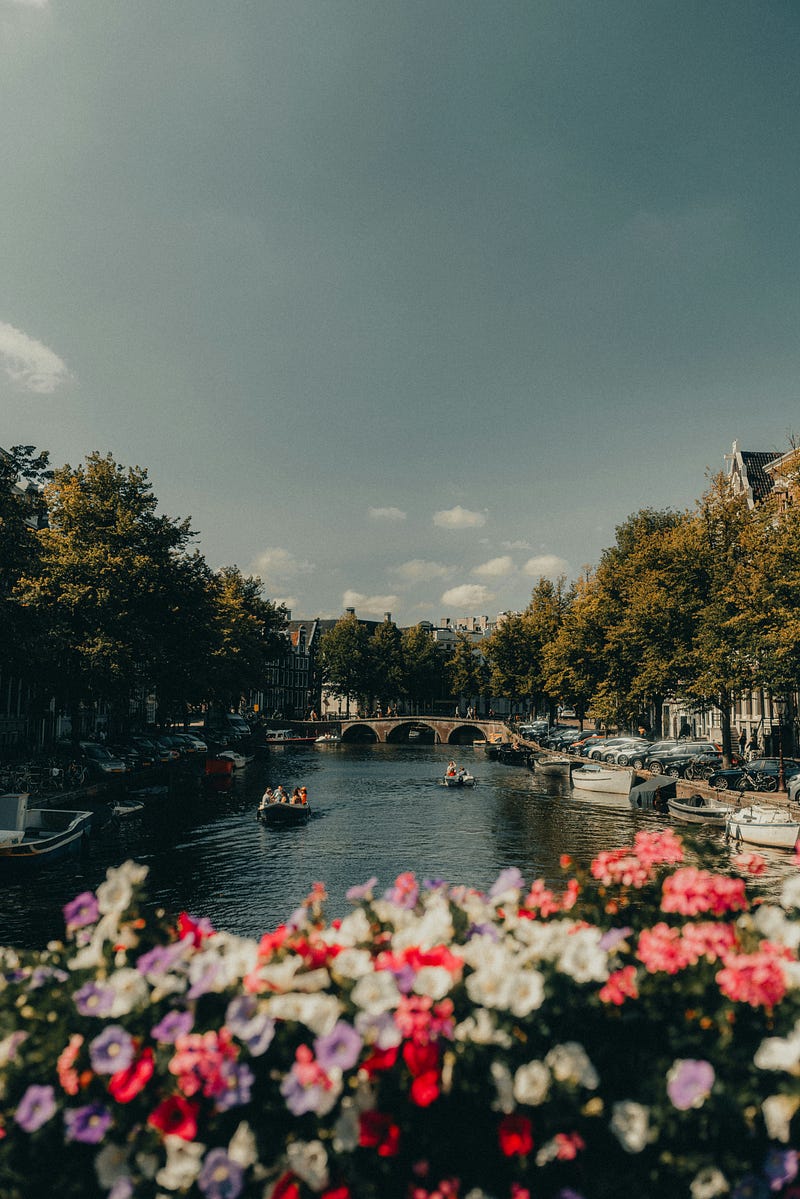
[(653, 792)]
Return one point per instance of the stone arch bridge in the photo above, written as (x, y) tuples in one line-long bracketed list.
[(399, 729)]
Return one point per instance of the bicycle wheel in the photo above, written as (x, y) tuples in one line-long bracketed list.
[(767, 782)]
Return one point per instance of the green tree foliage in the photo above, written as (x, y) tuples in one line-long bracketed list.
[(246, 630), (423, 667), (386, 650), (345, 659), (466, 670), (23, 471)]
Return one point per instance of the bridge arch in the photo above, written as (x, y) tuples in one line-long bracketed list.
[(360, 730), (397, 729)]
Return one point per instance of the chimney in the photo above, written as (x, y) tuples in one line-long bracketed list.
[(349, 611), (387, 616)]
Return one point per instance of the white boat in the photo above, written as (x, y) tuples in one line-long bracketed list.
[(34, 836), (603, 778), (328, 739), (697, 809), (762, 825), (461, 778), (553, 765), (123, 808), (231, 755)]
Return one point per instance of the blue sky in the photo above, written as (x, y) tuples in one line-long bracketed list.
[(404, 304)]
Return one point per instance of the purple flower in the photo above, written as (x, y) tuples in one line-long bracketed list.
[(364, 891), (159, 960), (43, 974), (750, 1187), (93, 999), (484, 930), (172, 1026), (239, 1079), (111, 1050), (204, 974), (689, 1082), (220, 1177), (87, 1124), (122, 1188), (613, 938), (36, 1107), (256, 1029), (781, 1167), (507, 880), (81, 910), (340, 1047)]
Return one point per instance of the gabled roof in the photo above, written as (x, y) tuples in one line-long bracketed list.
[(754, 462)]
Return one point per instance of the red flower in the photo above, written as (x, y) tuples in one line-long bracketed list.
[(126, 1084), (378, 1131), (198, 930), (286, 1188), (514, 1135), (176, 1117), (425, 1088), (420, 1059), (381, 1059), (341, 1192)]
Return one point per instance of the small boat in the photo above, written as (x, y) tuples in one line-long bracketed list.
[(603, 778), (275, 737), (34, 836), (283, 813), (328, 739), (697, 809), (231, 755), (461, 779), (554, 765), (654, 794), (122, 809), (762, 825)]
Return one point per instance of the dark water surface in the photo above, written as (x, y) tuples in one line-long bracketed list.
[(376, 810)]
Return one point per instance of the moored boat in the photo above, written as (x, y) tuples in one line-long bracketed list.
[(554, 765), (275, 737), (231, 755), (34, 836), (768, 827), (698, 809), (604, 779), (122, 809)]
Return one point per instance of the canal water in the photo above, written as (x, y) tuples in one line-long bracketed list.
[(376, 810)]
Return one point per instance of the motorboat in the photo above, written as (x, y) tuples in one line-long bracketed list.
[(698, 809), (275, 812), (123, 809), (231, 755), (274, 737), (34, 836), (606, 779), (461, 778), (554, 765), (328, 739), (759, 824)]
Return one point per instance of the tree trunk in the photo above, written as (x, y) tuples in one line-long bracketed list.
[(725, 724)]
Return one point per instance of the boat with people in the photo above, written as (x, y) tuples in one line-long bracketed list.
[(275, 737), (605, 779), (458, 776), (277, 807), (759, 824), (328, 739), (35, 836)]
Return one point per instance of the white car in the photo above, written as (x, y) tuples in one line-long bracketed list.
[(619, 749)]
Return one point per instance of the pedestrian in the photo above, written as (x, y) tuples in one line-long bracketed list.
[(752, 746), (742, 743)]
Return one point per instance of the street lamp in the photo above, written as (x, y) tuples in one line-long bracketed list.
[(780, 707)]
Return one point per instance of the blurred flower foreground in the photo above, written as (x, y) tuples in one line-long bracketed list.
[(634, 1033)]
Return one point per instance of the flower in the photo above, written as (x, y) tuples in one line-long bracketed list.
[(630, 1125), (81, 911), (87, 1124), (514, 1136), (36, 1107), (111, 1050), (176, 1116), (184, 1160), (220, 1177), (689, 1083)]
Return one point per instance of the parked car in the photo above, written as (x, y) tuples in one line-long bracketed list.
[(674, 759), (620, 750), (724, 779), (587, 742), (163, 754), (194, 744), (134, 757), (100, 761)]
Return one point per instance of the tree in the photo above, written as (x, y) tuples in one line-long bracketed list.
[(345, 659), (23, 471), (423, 667), (246, 631), (386, 650), (114, 588), (466, 671)]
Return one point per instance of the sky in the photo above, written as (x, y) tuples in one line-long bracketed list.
[(405, 305)]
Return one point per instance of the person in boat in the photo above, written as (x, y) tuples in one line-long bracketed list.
[(267, 798), (295, 796), (303, 796), (280, 795), (451, 769), (461, 774)]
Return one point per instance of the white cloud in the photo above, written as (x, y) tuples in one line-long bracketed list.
[(369, 604), (279, 566), (515, 545), (30, 3), (548, 565), (420, 571), (387, 514), (495, 568), (28, 362), (288, 601), (466, 596), (459, 518)]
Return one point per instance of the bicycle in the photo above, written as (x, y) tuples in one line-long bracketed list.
[(758, 781)]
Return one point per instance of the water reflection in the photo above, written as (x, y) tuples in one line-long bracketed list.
[(376, 810)]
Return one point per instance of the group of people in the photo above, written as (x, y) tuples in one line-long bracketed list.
[(455, 772), (299, 797)]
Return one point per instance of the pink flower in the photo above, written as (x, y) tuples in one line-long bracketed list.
[(750, 863), (655, 849), (691, 891), (621, 985), (754, 978), (660, 949), (621, 867)]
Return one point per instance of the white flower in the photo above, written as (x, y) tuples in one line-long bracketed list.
[(115, 895), (242, 1147), (709, 1183), (773, 924), (317, 1012), (183, 1164), (570, 1063), (532, 1083), (504, 1087), (130, 991), (630, 1125), (309, 1161), (778, 1111), (110, 1163), (790, 893), (526, 992), (582, 958), (481, 1029), (376, 993), (351, 963), (354, 930), (491, 985), (433, 981), (346, 1129), (779, 1053), (92, 955), (434, 927)]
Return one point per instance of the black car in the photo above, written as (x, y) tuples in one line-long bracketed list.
[(733, 776)]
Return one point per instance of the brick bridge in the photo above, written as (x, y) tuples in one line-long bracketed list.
[(446, 730)]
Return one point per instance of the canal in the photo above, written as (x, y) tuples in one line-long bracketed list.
[(376, 810)]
